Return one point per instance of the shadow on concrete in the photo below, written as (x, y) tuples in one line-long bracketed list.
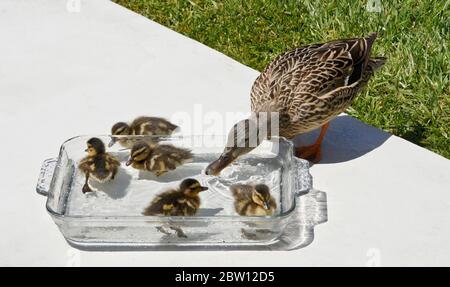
[(347, 138)]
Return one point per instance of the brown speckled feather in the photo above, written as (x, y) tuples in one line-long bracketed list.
[(313, 84), (101, 167), (164, 158), (244, 205), (173, 203), (152, 126)]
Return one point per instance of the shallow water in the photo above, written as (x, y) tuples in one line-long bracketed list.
[(111, 215), (132, 190)]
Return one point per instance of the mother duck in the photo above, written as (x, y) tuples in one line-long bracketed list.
[(306, 87)]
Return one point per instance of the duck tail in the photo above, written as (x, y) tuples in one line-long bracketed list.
[(377, 62), (370, 39)]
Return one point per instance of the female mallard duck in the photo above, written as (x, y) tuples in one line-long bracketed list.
[(98, 164), (252, 200), (307, 87), (158, 159), (141, 126), (184, 201)]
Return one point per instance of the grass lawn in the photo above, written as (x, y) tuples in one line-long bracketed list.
[(409, 97)]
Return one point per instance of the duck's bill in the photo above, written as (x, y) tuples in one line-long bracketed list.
[(112, 142), (217, 166), (266, 206), (129, 162), (203, 188)]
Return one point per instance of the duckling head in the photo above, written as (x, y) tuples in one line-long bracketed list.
[(95, 146), (119, 129), (242, 138), (139, 152), (191, 187), (261, 196)]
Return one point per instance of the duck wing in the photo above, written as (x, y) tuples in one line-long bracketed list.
[(265, 88), (315, 69), (162, 204), (152, 126), (87, 164)]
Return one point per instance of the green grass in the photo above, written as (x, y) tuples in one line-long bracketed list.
[(409, 97)]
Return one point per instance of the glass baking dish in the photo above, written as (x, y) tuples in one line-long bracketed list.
[(110, 217)]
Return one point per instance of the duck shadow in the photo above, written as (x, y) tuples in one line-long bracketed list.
[(180, 173), (116, 188), (346, 139)]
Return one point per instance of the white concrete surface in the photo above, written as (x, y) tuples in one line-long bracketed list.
[(65, 73)]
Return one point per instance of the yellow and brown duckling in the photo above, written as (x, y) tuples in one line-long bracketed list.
[(158, 159), (149, 126), (98, 164), (184, 201), (253, 200)]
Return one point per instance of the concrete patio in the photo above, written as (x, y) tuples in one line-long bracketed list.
[(74, 68)]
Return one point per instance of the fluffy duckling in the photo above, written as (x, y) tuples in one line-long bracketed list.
[(158, 159), (98, 164), (253, 200), (141, 126), (184, 201)]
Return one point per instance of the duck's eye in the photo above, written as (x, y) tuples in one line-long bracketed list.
[(225, 157)]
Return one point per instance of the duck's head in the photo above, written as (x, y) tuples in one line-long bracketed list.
[(119, 129), (261, 196), (242, 138), (139, 152), (191, 187), (95, 146)]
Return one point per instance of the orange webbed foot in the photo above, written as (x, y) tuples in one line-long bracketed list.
[(311, 153)]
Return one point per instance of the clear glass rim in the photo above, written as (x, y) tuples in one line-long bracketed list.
[(160, 218)]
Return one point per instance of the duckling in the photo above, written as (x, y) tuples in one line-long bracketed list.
[(184, 201), (141, 126), (158, 159), (98, 164), (253, 200)]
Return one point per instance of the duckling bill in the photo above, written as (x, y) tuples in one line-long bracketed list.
[(98, 164), (253, 200), (158, 159), (141, 126)]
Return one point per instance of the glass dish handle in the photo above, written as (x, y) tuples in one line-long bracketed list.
[(46, 176), (303, 182)]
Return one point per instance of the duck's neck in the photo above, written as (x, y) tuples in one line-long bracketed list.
[(268, 106), (271, 118)]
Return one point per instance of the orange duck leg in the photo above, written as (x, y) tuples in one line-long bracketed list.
[(313, 152)]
